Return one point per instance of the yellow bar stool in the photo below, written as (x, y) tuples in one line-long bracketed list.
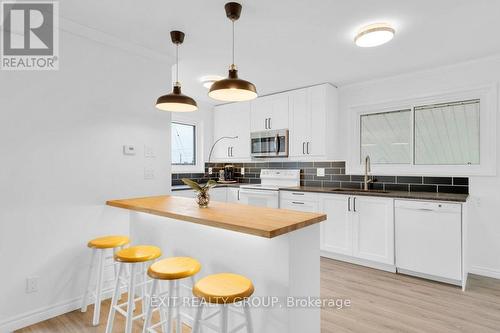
[(223, 289), (136, 258), (100, 246), (173, 270)]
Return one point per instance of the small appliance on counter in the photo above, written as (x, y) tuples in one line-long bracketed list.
[(226, 176)]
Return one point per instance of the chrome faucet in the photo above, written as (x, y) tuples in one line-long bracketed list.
[(367, 170)]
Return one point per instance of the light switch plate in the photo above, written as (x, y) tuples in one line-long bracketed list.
[(242, 171), (320, 172), (210, 171), (148, 151)]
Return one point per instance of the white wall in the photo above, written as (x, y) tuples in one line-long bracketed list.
[(61, 137), (484, 214)]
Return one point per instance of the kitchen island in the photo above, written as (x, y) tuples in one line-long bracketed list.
[(277, 249)]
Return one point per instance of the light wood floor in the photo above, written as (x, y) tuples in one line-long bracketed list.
[(381, 302)]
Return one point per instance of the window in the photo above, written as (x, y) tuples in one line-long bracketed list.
[(183, 144), (447, 134), (386, 137), (434, 134)]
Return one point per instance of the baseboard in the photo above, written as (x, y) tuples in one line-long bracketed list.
[(51, 311), (357, 261), (36, 316), (483, 271)]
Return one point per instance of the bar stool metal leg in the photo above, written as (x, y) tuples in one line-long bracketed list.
[(114, 301), (89, 277)]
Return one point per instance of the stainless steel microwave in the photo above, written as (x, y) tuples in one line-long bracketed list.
[(269, 143)]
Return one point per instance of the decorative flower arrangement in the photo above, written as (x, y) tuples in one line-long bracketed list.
[(202, 196)]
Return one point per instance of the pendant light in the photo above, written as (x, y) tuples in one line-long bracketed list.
[(176, 101), (232, 89)]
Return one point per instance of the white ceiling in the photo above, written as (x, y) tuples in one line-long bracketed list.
[(288, 44)]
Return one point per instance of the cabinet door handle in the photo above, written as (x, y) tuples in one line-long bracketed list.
[(354, 204), (238, 194), (297, 193), (228, 149), (348, 204), (307, 147), (232, 151), (303, 148), (265, 123), (297, 202), (270, 126)]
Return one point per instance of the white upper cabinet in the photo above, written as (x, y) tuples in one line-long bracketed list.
[(313, 122), (232, 120), (310, 114), (269, 112)]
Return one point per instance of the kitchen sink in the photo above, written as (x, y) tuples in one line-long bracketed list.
[(357, 190)]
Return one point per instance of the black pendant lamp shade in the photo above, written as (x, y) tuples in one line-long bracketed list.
[(176, 101), (233, 89)]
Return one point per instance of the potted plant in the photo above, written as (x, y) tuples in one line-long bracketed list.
[(202, 196)]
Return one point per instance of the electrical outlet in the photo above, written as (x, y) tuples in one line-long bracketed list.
[(242, 171), (31, 284), (149, 173), (210, 171), (320, 172)]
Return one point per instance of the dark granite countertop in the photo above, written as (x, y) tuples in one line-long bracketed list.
[(185, 187), (454, 197)]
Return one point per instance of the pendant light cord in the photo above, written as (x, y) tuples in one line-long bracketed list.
[(233, 41), (176, 63)]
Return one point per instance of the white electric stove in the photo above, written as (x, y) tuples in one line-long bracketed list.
[(266, 194)]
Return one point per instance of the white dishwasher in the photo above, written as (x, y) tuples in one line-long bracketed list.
[(428, 237)]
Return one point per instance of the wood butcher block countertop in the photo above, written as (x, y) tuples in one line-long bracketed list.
[(260, 221)]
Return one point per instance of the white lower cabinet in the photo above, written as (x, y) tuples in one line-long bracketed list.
[(233, 194), (422, 238), (336, 231), (223, 194), (373, 229), (358, 226)]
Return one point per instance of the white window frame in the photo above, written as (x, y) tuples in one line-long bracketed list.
[(488, 98), (199, 166)]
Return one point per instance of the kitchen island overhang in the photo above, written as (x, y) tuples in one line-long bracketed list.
[(277, 249)]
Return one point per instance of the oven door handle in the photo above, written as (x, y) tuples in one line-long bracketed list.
[(277, 144)]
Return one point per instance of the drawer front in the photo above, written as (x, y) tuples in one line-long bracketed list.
[(300, 205), (298, 196)]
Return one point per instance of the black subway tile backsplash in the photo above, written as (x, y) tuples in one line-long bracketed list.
[(396, 187), (334, 177), (423, 188), (438, 180), (409, 180), (460, 181)]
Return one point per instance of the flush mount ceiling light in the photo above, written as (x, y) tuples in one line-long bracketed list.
[(374, 35), (232, 89), (176, 101), (208, 80)]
